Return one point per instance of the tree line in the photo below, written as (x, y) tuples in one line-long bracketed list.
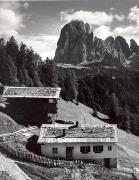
[(19, 64)]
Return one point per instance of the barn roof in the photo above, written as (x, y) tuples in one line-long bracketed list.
[(31, 92), (81, 134)]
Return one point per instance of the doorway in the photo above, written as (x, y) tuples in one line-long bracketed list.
[(107, 162), (69, 153)]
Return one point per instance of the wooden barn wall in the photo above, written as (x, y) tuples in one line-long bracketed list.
[(30, 111)]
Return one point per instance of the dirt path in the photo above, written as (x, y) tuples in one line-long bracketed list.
[(11, 136)]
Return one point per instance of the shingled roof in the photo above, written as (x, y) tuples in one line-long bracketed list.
[(31, 92), (78, 134)]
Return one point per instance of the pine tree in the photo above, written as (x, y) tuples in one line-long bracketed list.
[(94, 108), (12, 48), (22, 55), (70, 84), (115, 109), (2, 42), (81, 91), (31, 66), (126, 119), (8, 71), (49, 74)]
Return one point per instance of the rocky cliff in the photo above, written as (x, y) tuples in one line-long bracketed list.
[(77, 45), (71, 46)]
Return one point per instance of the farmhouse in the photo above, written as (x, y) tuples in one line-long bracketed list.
[(80, 142), (31, 105)]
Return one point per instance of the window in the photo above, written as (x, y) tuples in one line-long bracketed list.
[(109, 148), (55, 150), (50, 114), (51, 101), (85, 149), (97, 149)]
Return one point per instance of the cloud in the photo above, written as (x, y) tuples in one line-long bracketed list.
[(134, 14), (131, 31), (10, 19), (123, 30), (103, 32), (26, 5), (43, 44), (11, 22), (128, 32), (119, 17), (12, 5), (112, 9), (97, 18), (93, 18)]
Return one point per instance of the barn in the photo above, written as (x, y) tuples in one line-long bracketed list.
[(31, 105), (80, 142)]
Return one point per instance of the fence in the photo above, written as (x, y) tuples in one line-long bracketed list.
[(47, 162)]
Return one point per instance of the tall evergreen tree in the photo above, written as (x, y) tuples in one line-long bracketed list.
[(8, 72), (22, 55), (12, 48), (70, 84), (32, 67), (2, 42), (115, 109), (49, 73)]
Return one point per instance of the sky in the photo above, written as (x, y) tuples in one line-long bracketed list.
[(38, 23)]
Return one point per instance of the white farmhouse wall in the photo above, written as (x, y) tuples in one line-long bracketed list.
[(47, 150)]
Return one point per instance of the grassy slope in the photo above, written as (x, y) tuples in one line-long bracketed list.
[(8, 168), (10, 171), (7, 124), (128, 144), (36, 172)]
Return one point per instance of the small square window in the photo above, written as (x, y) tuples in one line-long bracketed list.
[(51, 101), (55, 150), (50, 114), (109, 148)]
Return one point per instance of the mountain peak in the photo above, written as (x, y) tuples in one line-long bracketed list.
[(77, 45)]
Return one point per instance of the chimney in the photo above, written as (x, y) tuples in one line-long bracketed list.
[(74, 126), (64, 132), (77, 123)]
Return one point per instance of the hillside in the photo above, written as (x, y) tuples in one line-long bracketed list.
[(9, 170), (128, 144), (7, 124)]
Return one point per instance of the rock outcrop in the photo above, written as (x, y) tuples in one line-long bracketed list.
[(134, 47), (77, 45), (71, 44)]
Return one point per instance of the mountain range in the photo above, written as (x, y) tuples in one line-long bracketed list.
[(77, 45)]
